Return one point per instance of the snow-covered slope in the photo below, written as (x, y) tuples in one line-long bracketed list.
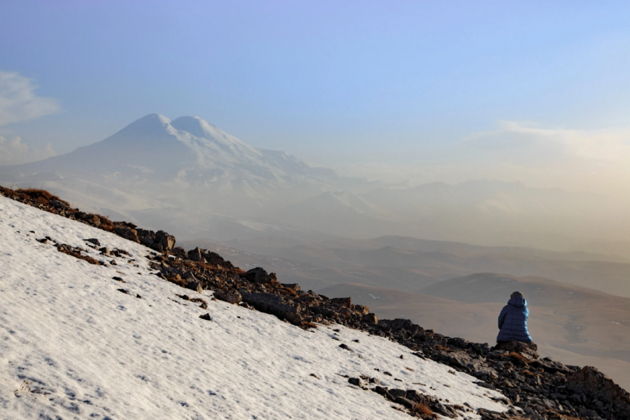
[(76, 343)]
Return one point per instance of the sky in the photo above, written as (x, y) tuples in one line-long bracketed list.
[(411, 91)]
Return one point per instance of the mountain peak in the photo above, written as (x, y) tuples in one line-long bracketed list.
[(152, 119), (194, 125), (150, 125)]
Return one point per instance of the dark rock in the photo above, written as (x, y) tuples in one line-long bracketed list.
[(202, 303), (77, 253), (163, 241), (342, 301), (272, 304), (456, 342), (178, 252), (59, 204), (93, 241), (345, 347), (196, 255), (590, 381), (215, 259), (370, 319), (231, 296), (127, 233), (206, 317), (355, 382), (146, 237), (259, 275), (529, 349), (292, 286)]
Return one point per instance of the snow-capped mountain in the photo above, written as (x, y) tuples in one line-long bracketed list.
[(184, 172), (187, 149), (113, 340)]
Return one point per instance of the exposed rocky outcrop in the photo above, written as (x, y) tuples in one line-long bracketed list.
[(540, 387), (159, 241)]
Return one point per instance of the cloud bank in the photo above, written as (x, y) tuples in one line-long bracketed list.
[(573, 159), (19, 102), (586, 160)]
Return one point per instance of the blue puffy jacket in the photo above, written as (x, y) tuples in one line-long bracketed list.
[(513, 320)]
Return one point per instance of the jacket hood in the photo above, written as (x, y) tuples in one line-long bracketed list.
[(517, 300)]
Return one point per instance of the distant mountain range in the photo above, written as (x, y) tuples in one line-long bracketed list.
[(202, 183), (410, 264)]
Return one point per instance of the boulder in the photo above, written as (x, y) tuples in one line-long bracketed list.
[(127, 233), (591, 382), (230, 296), (272, 304), (163, 241), (215, 259), (179, 252), (196, 255), (370, 319), (146, 237), (342, 301), (259, 275), (529, 349)]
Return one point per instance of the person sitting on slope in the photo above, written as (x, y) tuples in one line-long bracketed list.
[(513, 322)]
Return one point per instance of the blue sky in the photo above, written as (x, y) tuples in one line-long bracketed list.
[(369, 81)]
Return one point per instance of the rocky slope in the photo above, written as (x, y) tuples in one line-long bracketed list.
[(541, 388)]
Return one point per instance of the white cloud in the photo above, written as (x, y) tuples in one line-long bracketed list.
[(593, 160), (14, 151), (19, 102), (603, 146), (573, 159)]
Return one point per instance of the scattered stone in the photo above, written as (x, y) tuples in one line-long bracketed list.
[(77, 253), (230, 296), (163, 242), (202, 303), (93, 241), (355, 382), (206, 317), (196, 255), (272, 304), (127, 231), (259, 275)]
